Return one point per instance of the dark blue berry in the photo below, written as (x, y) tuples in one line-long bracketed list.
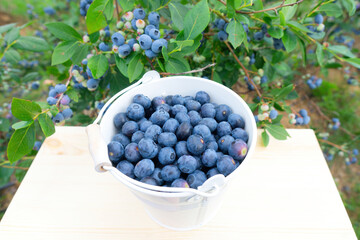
[(139, 13), (119, 120), (239, 133), (142, 100), (182, 117), (178, 99), (195, 117), (167, 155), (137, 136), (149, 180), (184, 131), (202, 97), (126, 168), (226, 165), (210, 123), (167, 139), (118, 39), (187, 164), (154, 18), (203, 131), (121, 138), (145, 41), (238, 149), (135, 112), (153, 132), (170, 125), (195, 144), (209, 158), (132, 152), (196, 179), (157, 101), (144, 125), (144, 168), (147, 148), (166, 107), (223, 129), (222, 35), (129, 128), (236, 121), (157, 176), (208, 110), (212, 172), (212, 145), (224, 143), (170, 172), (159, 117), (115, 150), (181, 149), (178, 108), (180, 183), (222, 112)]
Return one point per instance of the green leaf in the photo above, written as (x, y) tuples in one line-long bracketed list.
[(21, 143), (178, 12), (165, 54), (4, 124), (282, 19), (117, 82), (33, 44), (30, 76), (353, 61), (177, 65), (63, 31), (98, 15), (135, 68), (350, 6), (22, 124), (81, 51), (7, 27), (54, 110), (12, 35), (331, 9), (277, 131), (196, 20), (193, 47), (24, 109), (185, 43), (94, 37), (161, 65), (265, 138), (289, 40), (230, 6), (12, 56), (290, 11), (303, 51), (276, 32), (236, 33), (126, 5), (284, 91), (20, 173), (121, 65), (73, 94), (341, 49), (320, 54), (46, 124), (5, 174), (297, 26), (98, 65), (64, 51)]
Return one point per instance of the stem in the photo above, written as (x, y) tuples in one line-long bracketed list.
[(152, 66), (66, 84), (243, 67), (7, 48), (332, 144), (188, 72), (161, 7), (15, 167), (219, 14), (117, 10)]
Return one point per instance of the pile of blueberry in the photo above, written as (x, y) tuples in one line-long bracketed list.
[(318, 26), (57, 94), (300, 119), (314, 82), (84, 6), (336, 124), (177, 141), (266, 113)]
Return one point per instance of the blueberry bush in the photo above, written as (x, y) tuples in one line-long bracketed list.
[(280, 56)]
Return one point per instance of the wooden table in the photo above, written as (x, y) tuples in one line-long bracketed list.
[(287, 193)]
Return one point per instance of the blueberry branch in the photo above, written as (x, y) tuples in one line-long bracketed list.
[(117, 10), (188, 72), (332, 144), (66, 84), (243, 67)]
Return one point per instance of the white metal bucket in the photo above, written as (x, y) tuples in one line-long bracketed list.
[(174, 208)]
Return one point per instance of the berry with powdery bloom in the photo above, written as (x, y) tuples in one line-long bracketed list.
[(127, 25), (119, 24), (265, 107), (86, 39), (115, 49), (128, 16), (140, 23), (136, 47)]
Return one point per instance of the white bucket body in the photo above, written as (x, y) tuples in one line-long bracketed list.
[(185, 210)]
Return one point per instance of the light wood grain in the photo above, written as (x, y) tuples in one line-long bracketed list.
[(284, 192)]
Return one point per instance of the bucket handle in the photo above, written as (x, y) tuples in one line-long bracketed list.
[(213, 191)]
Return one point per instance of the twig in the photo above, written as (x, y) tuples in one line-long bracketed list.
[(219, 14), (66, 84), (332, 144), (268, 9), (188, 72), (243, 67), (15, 167), (117, 10), (152, 66)]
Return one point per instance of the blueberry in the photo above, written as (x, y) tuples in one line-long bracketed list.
[(92, 84), (157, 176), (158, 44), (124, 50), (238, 149), (187, 164), (150, 54), (103, 47), (239, 133), (153, 132), (226, 165), (224, 143), (178, 108), (148, 28), (65, 100), (211, 138), (157, 101), (145, 41), (195, 117), (223, 128), (210, 123), (303, 113), (182, 117), (149, 180), (147, 148), (121, 138), (222, 35), (132, 153), (181, 149), (170, 125), (180, 183), (144, 168), (143, 125), (220, 24), (166, 107), (154, 18), (126, 168), (273, 114), (212, 145), (184, 131), (222, 112), (192, 105), (208, 110), (299, 121), (131, 43), (60, 88), (115, 150), (133, 24), (154, 34), (259, 36), (58, 118), (137, 136), (167, 139), (355, 151), (212, 172), (278, 44), (167, 155), (67, 113), (53, 93), (142, 100), (264, 79), (196, 179), (209, 158), (129, 128), (319, 19), (203, 131), (135, 111), (51, 100), (159, 117), (178, 99), (118, 39), (195, 144), (139, 13), (168, 100), (306, 120), (170, 172), (236, 121)]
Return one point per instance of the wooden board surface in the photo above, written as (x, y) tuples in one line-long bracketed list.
[(286, 191)]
